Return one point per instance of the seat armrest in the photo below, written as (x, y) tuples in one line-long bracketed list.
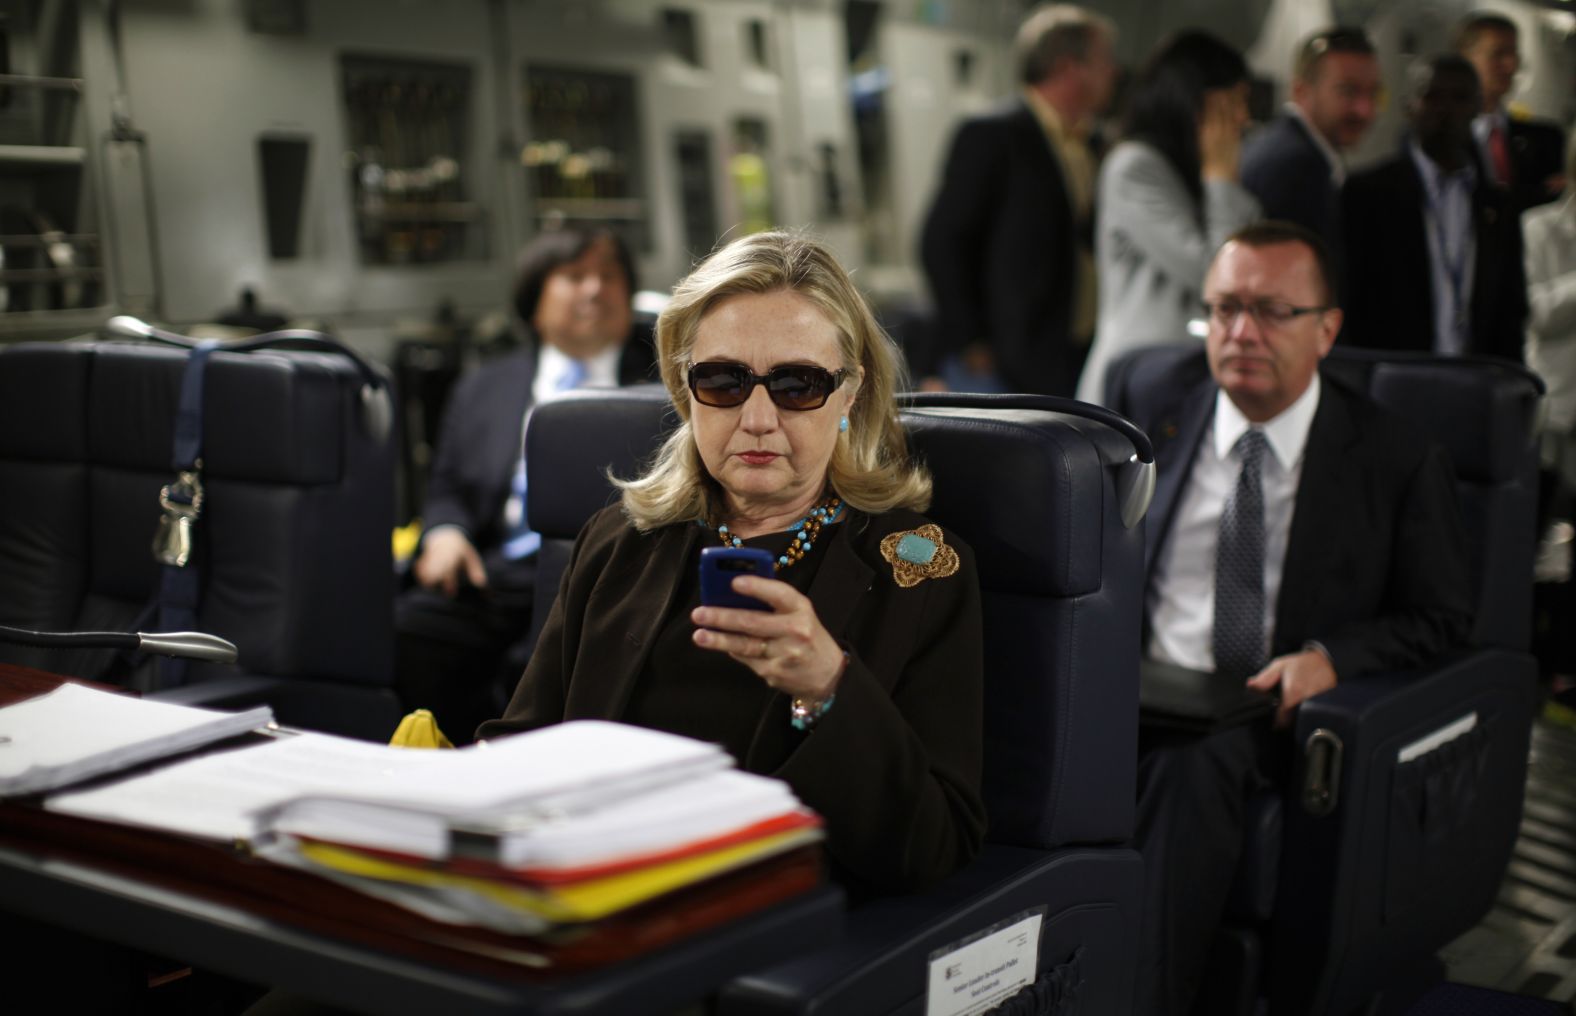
[(1428, 791), (1395, 700), (881, 965)]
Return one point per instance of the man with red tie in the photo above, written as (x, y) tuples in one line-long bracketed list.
[(1523, 155), (1434, 252)]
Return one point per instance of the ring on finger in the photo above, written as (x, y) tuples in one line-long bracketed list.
[(765, 645)]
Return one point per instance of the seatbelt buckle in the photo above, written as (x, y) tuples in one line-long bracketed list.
[(182, 504)]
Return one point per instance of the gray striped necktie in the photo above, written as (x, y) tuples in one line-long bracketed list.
[(1239, 567)]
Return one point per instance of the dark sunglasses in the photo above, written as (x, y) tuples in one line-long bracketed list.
[(793, 386)]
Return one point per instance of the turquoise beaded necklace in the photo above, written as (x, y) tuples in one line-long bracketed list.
[(805, 531)]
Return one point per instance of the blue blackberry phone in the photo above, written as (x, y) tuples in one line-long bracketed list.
[(719, 566)]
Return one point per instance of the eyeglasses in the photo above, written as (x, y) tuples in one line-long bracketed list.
[(1265, 313), (793, 386)]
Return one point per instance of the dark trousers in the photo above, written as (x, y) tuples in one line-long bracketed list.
[(1192, 797), (460, 657)]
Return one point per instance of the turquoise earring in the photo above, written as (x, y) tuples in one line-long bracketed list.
[(842, 425)]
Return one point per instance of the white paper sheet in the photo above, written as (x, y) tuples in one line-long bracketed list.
[(76, 732)]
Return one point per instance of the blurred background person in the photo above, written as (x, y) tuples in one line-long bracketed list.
[(1550, 235), (1168, 197), (1550, 239), (861, 684), (1523, 155), (1434, 259), (475, 567), (1295, 166), (1007, 243)]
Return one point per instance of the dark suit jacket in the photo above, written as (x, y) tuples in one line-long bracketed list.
[(1537, 152), (893, 767), (1376, 562), (1285, 169), (1000, 250), (1389, 285), (479, 443)]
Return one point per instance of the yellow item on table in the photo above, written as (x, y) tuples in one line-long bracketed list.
[(406, 539), (419, 730)]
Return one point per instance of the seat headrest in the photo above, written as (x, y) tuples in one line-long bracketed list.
[(616, 428), (1003, 478), (1481, 411), (1003, 481), (269, 417)]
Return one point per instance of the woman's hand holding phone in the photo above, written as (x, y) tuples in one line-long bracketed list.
[(782, 640)]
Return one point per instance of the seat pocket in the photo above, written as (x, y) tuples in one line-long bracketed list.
[(1432, 832)]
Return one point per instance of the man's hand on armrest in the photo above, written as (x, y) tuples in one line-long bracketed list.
[(1298, 676), (446, 558)]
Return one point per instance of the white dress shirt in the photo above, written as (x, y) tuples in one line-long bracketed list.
[(601, 371), (1452, 249), (1181, 596)]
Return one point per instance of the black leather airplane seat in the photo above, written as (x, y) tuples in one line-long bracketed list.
[(1040, 496), (292, 543), (1379, 853)]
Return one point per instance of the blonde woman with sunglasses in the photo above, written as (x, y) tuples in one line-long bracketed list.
[(859, 683)]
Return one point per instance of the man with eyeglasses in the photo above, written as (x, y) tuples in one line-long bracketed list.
[(1299, 536), (1434, 248), (1294, 166)]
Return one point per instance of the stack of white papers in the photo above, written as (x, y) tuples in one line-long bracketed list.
[(646, 822), (565, 825), (74, 733), (375, 794), (511, 785)]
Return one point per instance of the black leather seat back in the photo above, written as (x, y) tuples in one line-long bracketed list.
[(1482, 413), (1032, 493), (294, 545)]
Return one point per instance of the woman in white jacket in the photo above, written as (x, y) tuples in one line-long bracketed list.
[(1549, 233), (1168, 197)]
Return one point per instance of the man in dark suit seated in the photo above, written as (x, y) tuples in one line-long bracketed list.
[(1434, 255), (1524, 155), (1007, 246), (476, 564), (1294, 165), (1300, 536)]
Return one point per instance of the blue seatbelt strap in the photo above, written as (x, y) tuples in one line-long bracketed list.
[(180, 586)]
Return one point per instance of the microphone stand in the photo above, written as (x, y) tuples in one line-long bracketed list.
[(192, 645)]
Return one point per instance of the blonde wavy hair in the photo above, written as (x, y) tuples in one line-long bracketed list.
[(870, 469)]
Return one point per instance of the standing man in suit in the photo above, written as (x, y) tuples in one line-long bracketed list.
[(476, 565), (1300, 536), (1007, 245), (1523, 155), (1434, 257), (1294, 165)]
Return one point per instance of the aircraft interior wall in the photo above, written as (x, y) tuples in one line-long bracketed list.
[(358, 163)]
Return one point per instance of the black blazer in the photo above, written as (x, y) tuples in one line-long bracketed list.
[(893, 767), (1537, 152), (479, 442), (1283, 166), (1376, 562), (1389, 286), (1000, 249)]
